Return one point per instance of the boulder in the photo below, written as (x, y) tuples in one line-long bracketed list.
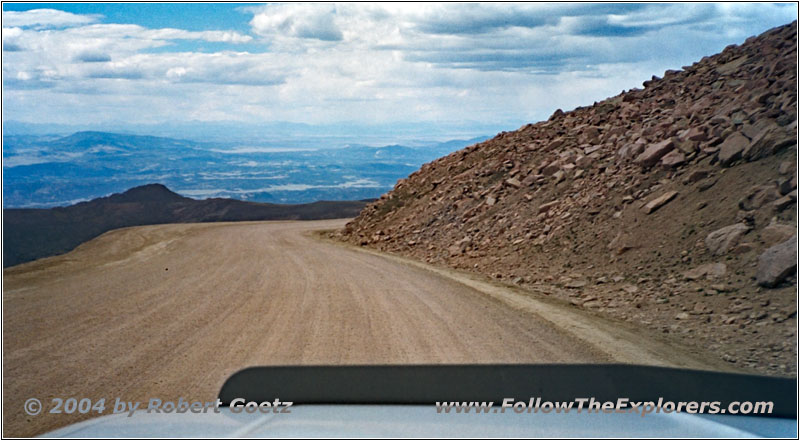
[(574, 284), (696, 175), (631, 150), (546, 207), (776, 232), (731, 149), (551, 168), (653, 153), (709, 271), (777, 263), (673, 159), (758, 197), (589, 135), (786, 185), (786, 167), (529, 180), (555, 144), (687, 147), (660, 201), (696, 134), (591, 149), (722, 240), (583, 161), (784, 202), (768, 142), (621, 244)]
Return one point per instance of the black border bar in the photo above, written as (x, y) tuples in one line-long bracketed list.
[(427, 384)]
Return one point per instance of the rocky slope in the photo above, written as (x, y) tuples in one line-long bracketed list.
[(671, 206)]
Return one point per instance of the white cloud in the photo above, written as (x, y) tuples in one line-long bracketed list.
[(41, 18), (221, 192), (323, 63), (311, 21), (178, 34)]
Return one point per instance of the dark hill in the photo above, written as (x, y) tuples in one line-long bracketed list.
[(146, 193), (30, 234)]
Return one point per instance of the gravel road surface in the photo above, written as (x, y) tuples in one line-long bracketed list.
[(171, 311)]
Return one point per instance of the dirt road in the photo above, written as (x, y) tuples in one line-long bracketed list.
[(171, 311)]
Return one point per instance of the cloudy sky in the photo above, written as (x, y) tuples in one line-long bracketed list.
[(503, 64)]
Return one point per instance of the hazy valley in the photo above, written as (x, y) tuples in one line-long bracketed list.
[(46, 171)]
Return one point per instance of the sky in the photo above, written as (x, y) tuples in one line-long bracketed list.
[(370, 63)]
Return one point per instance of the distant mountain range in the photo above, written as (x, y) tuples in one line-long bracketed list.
[(282, 132), (29, 234), (42, 171)]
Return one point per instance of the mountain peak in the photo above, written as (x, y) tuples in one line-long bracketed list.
[(148, 193), (89, 135)]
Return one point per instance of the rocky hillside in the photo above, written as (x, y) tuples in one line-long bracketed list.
[(671, 206)]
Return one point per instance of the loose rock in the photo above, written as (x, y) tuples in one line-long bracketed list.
[(722, 240), (660, 201), (777, 263)]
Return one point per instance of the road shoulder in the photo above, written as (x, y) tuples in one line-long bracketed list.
[(621, 341)]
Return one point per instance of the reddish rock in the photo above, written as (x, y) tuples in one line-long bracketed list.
[(631, 150), (693, 134), (777, 263), (710, 271), (551, 168), (546, 207), (722, 240), (776, 232), (659, 202), (673, 159), (786, 167), (654, 153), (731, 149), (696, 175), (758, 197), (785, 202), (769, 141)]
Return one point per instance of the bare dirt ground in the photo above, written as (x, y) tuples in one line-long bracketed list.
[(171, 311)]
